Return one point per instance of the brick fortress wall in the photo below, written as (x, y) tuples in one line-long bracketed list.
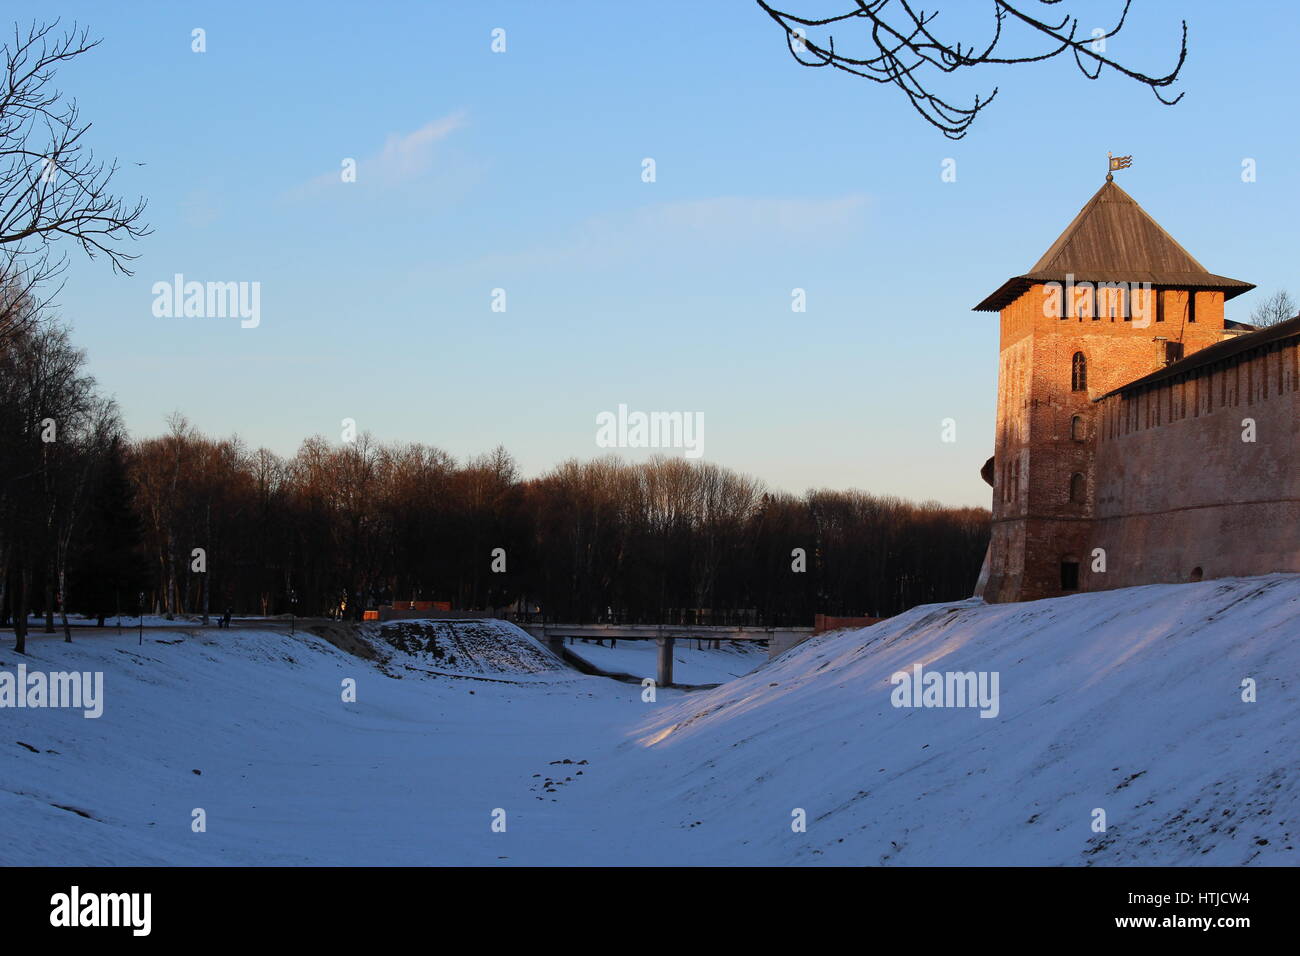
[(1180, 490)]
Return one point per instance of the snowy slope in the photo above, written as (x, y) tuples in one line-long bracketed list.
[(485, 647), (288, 772), (1128, 701)]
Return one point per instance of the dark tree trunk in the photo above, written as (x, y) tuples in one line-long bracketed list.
[(20, 610)]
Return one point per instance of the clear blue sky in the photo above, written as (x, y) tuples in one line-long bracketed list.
[(522, 171)]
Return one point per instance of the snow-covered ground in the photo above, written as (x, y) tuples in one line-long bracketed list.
[(693, 663), (472, 647), (1129, 702), (37, 622)]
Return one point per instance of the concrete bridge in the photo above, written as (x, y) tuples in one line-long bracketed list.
[(778, 639)]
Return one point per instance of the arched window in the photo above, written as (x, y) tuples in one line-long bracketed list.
[(1079, 373), (1076, 487), (1076, 428)]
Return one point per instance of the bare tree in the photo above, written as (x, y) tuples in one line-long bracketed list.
[(53, 429), (51, 185), (903, 50), (1278, 307)]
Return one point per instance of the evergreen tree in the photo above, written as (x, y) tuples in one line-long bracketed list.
[(111, 569)]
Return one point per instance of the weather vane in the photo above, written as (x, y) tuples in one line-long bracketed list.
[(1117, 162)]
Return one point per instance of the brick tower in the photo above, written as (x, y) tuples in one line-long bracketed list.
[(1114, 298)]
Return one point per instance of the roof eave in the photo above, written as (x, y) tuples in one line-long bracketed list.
[(1016, 286), (1006, 293)]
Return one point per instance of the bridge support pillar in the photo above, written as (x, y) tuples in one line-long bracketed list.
[(665, 668), (555, 644)]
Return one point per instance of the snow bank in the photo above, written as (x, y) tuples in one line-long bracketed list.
[(469, 647), (256, 729), (1128, 701)]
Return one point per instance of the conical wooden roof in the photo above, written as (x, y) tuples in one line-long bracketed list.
[(1112, 239)]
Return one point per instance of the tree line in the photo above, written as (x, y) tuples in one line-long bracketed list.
[(96, 523), (65, 497)]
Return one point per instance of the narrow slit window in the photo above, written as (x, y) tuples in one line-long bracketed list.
[(1079, 373)]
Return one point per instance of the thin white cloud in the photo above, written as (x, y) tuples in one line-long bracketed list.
[(687, 226), (403, 157)]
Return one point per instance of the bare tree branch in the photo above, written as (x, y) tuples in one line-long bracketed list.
[(905, 47), (1277, 308), (51, 184)]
